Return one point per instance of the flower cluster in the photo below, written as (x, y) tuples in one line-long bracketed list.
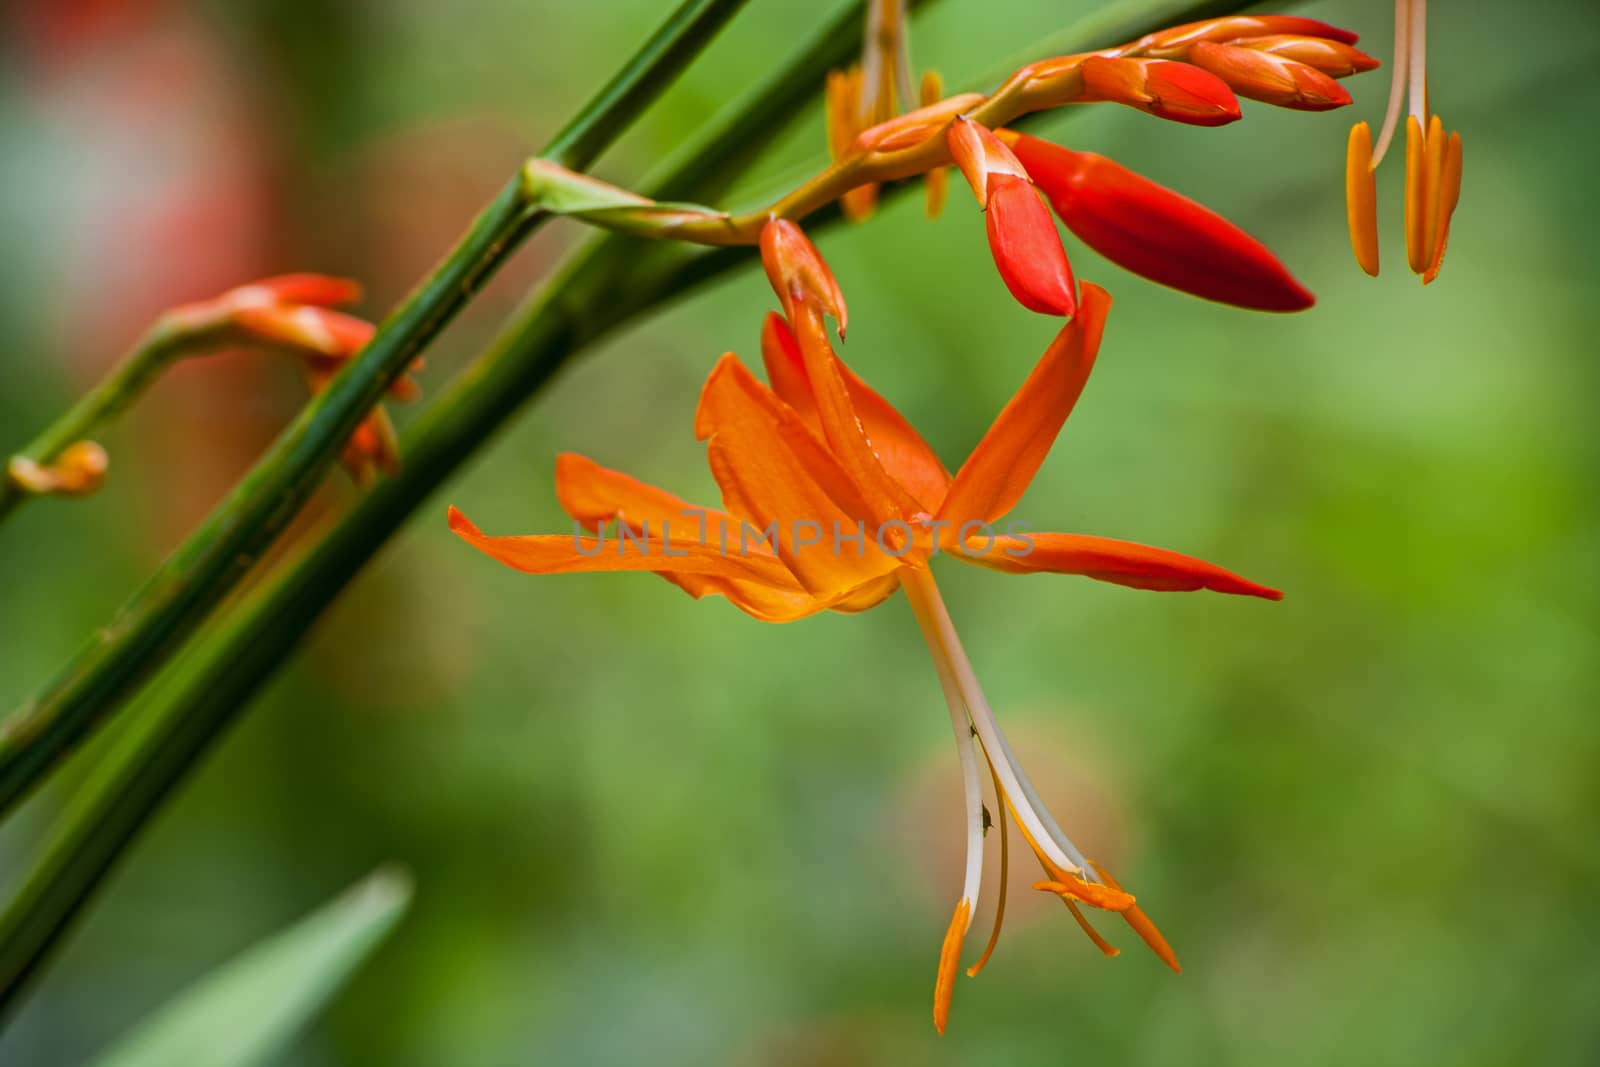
[(815, 449)]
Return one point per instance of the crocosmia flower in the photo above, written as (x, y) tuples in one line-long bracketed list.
[(1433, 161), (831, 500), (296, 312)]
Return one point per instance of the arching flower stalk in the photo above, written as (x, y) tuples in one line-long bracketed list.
[(831, 500), (1187, 74), (290, 312), (1433, 161)]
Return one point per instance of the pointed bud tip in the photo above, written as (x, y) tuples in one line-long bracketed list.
[(798, 272)]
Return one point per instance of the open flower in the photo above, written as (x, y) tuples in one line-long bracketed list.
[(1433, 161), (847, 503)]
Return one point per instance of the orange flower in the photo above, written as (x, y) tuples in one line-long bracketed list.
[(294, 312), (847, 503), (1433, 161)]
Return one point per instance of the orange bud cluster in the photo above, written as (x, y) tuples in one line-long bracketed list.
[(296, 312)]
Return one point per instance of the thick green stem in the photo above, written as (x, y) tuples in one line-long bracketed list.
[(151, 626), (612, 282)]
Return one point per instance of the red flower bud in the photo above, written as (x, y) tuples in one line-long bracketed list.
[(1027, 249), (1174, 43), (1022, 235), (1333, 58), (1154, 232), (1175, 91), (1270, 78)]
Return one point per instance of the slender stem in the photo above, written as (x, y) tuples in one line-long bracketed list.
[(1026, 89), (609, 284), (154, 623), (177, 720), (134, 372)]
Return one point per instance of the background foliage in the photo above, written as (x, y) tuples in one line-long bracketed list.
[(644, 826)]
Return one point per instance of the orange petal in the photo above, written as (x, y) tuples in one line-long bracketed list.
[(902, 451), (1361, 198), (997, 473), (1107, 560), (847, 436), (570, 554), (776, 475), (736, 406), (798, 273), (595, 495), (786, 368)]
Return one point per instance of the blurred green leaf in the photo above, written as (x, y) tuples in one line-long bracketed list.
[(244, 1012)]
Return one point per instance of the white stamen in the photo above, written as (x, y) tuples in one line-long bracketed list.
[(1419, 62), (945, 645), (972, 793), (1397, 79)]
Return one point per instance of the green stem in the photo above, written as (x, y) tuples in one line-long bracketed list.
[(132, 375), (612, 281), (155, 622)]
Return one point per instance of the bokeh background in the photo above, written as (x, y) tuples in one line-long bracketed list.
[(649, 829)]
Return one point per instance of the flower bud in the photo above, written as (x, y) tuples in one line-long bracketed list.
[(1270, 78), (798, 272), (1022, 235), (1176, 91), (1156, 233)]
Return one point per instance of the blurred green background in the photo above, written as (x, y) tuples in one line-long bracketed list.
[(649, 829)]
